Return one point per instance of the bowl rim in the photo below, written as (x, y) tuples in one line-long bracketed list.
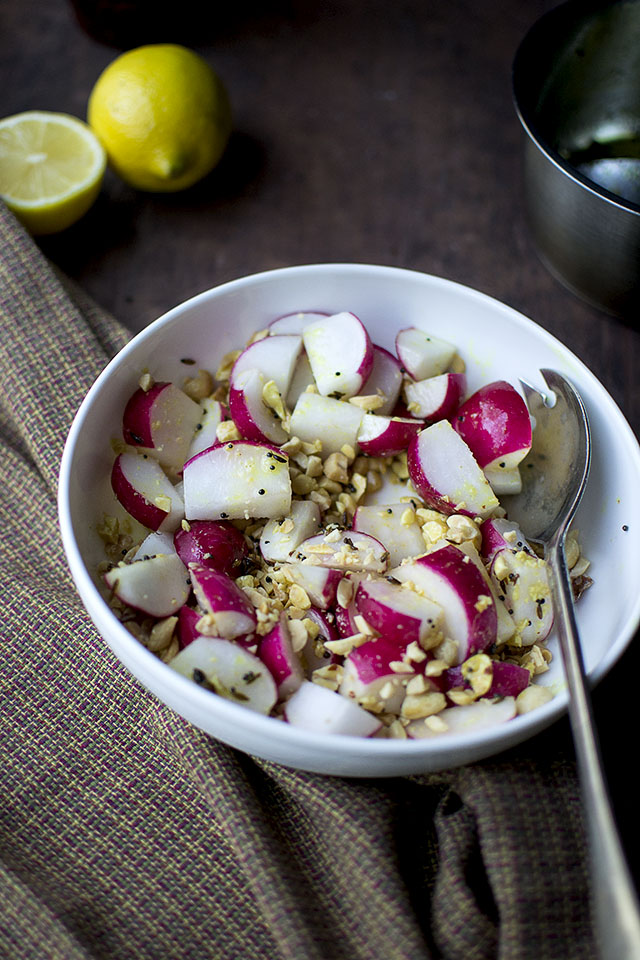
[(524, 110), (157, 675)]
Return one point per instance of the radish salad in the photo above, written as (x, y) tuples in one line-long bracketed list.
[(322, 535)]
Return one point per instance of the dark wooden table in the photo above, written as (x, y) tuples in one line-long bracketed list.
[(379, 132)]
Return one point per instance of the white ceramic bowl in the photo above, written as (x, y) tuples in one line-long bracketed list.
[(496, 343)]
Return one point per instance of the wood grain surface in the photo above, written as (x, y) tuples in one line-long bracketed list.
[(376, 131)]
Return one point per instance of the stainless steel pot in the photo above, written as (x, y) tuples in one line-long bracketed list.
[(576, 83)]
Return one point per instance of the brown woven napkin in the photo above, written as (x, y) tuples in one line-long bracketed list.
[(126, 833)]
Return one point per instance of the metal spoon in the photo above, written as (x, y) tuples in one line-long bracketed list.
[(554, 476)]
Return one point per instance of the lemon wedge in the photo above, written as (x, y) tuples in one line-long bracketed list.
[(51, 169)]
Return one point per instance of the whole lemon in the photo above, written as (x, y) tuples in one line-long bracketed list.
[(163, 116)]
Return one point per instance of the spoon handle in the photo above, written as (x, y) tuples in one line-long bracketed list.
[(614, 899)]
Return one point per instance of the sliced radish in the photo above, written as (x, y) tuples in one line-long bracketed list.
[(340, 353), (313, 654), (368, 676), (154, 545), (385, 380), (213, 543), (345, 619), (445, 474), (145, 491), (238, 479), (158, 586), (277, 654), (506, 627), (472, 717), (319, 583), (301, 379), (421, 354), (504, 480), (386, 436), (280, 538), (188, 626), (320, 710), (228, 670), (459, 588), (436, 398), (333, 422), (294, 322), (163, 420), (495, 424), (211, 416), (508, 679), (274, 357), (253, 418), (350, 550), (400, 615), (230, 612), (520, 578), (394, 525)]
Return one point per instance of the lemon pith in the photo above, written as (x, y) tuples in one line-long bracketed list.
[(163, 116), (51, 168)]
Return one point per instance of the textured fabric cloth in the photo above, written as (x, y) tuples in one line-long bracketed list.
[(126, 833)]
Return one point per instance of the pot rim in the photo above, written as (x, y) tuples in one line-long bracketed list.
[(573, 12)]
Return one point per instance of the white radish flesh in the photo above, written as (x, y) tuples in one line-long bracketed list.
[(350, 550), (277, 654), (229, 611), (319, 583), (331, 421), (386, 436), (436, 398), (158, 586), (400, 615), (145, 491), (458, 587), (385, 380), (504, 481), (238, 479), (162, 420), (280, 538), (470, 718), (228, 670), (301, 379), (274, 357), (395, 526), (294, 322), (154, 545), (445, 474), (421, 354), (253, 418), (205, 435), (340, 353), (320, 710)]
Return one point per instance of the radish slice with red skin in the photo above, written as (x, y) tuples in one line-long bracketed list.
[(162, 420), (477, 716), (340, 353), (301, 379), (345, 620), (367, 673), (145, 491), (402, 537), (331, 421), (212, 415), (421, 354), (228, 609), (155, 544), (321, 710), (445, 474), (386, 436), (350, 550), (158, 586), (187, 626), (274, 357), (294, 322), (277, 654), (495, 424), (319, 583), (229, 671), (314, 655), (213, 543), (506, 627), (280, 538), (238, 479), (398, 614), (436, 398), (520, 577), (385, 380), (253, 418), (508, 680), (458, 587)]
